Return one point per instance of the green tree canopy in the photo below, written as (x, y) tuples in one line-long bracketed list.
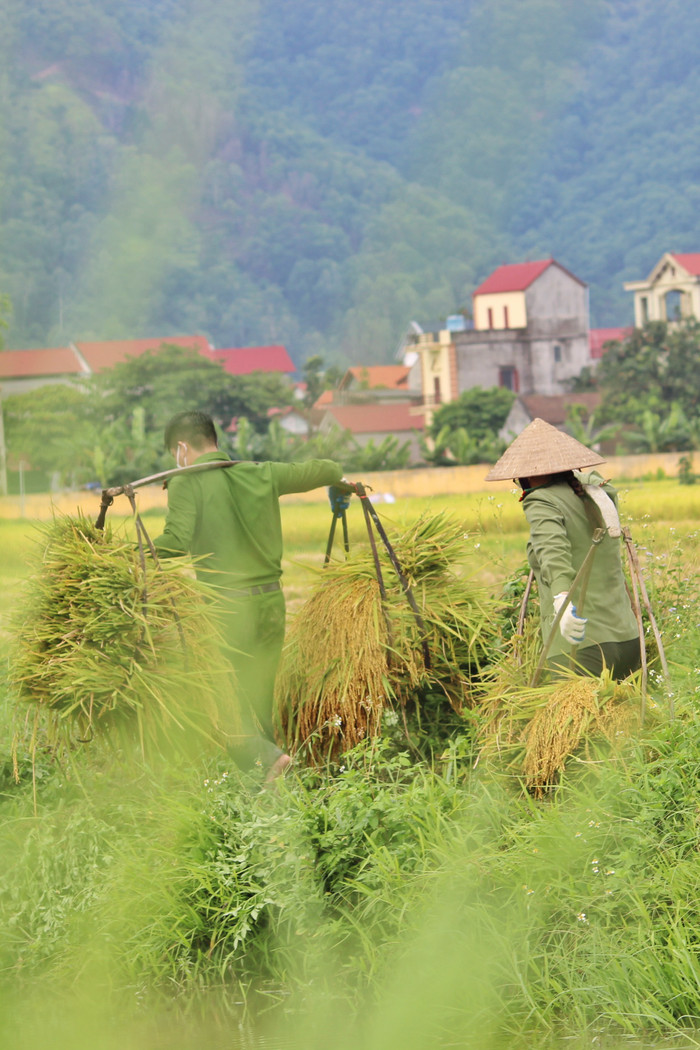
[(466, 430), (480, 412), (49, 428), (655, 367), (111, 429), (174, 379)]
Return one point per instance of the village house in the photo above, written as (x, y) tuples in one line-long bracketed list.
[(671, 292), (530, 335), (373, 402), (376, 422), (23, 370), (243, 360), (378, 384), (598, 339)]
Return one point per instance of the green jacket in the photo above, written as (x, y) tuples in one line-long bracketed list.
[(561, 531), (232, 516)]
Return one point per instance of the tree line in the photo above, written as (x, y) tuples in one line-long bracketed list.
[(109, 428)]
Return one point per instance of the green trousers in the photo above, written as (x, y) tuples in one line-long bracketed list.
[(621, 659), (253, 629)]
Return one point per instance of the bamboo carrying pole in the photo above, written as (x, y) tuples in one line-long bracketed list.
[(121, 490), (521, 616), (636, 572), (373, 521)]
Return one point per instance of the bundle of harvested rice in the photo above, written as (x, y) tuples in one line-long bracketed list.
[(537, 730), (349, 655), (333, 682), (105, 640)]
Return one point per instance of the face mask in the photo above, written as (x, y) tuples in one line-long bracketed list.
[(181, 461)]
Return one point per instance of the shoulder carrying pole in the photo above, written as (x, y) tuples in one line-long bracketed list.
[(372, 522), (638, 578), (120, 490)]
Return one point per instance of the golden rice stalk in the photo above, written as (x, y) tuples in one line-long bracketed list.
[(540, 729), (349, 655), (104, 642), (572, 715), (333, 693)]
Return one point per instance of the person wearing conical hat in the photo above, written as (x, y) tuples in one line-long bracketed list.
[(564, 503)]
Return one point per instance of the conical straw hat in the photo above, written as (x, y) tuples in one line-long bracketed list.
[(542, 449)]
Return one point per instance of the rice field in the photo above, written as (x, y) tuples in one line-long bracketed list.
[(384, 903)]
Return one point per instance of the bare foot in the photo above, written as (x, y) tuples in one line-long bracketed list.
[(278, 768)]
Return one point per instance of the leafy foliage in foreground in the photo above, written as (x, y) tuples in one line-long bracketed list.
[(394, 904), (580, 911)]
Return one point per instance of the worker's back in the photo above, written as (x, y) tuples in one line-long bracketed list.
[(561, 531), (232, 516)]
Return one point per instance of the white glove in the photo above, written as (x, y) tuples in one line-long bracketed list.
[(572, 627)]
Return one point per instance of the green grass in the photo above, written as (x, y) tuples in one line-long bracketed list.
[(380, 905)]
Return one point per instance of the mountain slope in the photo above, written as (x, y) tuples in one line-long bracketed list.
[(321, 173)]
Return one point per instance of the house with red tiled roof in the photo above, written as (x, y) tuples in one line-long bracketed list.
[(530, 335), (324, 398), (101, 355), (671, 292), (599, 337), (376, 379), (375, 422), (375, 384), (242, 360), (518, 293), (23, 370)]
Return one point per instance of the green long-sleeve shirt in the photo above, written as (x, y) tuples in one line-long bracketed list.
[(232, 517), (561, 532)]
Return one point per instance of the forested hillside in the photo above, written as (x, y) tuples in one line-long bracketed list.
[(322, 172)]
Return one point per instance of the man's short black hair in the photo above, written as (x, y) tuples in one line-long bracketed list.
[(196, 428)]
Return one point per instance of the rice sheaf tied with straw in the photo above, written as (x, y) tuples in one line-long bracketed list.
[(106, 639), (534, 731), (350, 656)]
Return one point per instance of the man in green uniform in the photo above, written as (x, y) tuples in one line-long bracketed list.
[(564, 507), (230, 517)]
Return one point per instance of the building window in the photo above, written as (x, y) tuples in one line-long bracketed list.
[(557, 353), (508, 378), (644, 303), (437, 396), (505, 317), (490, 313), (673, 305)]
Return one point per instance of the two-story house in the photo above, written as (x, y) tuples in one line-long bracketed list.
[(530, 334), (671, 292)]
